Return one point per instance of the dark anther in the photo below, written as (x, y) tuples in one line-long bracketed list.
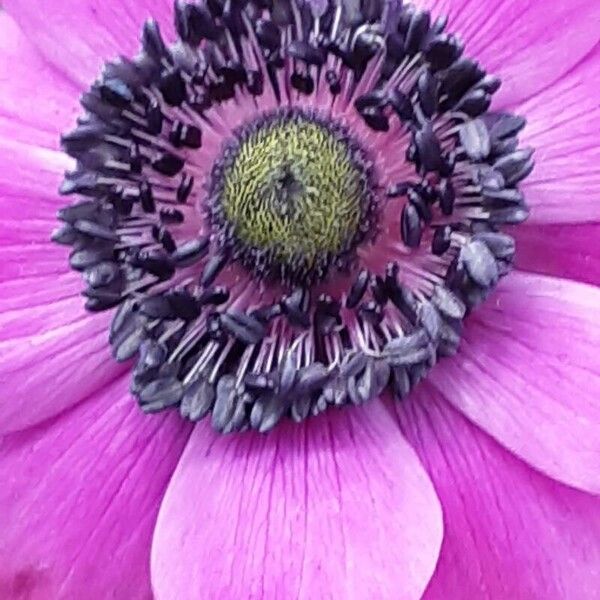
[(255, 82), (501, 245), (303, 83), (428, 149), (397, 189), (503, 125), (212, 268), (185, 135), (162, 236), (116, 93), (439, 25), (479, 263), (221, 90), (441, 240), (515, 166), (332, 79), (417, 30), (410, 226), (194, 23), (171, 216), (474, 103), (244, 327), (327, 314), (375, 118), (157, 307), (135, 159), (296, 307), (65, 235), (152, 41), (185, 189), (89, 256), (442, 51), (191, 252), (167, 164), (372, 312), (160, 394), (172, 87), (394, 45), (215, 296), (101, 274), (427, 87), (447, 196), (302, 50), (186, 307), (268, 313), (374, 99), (95, 230), (197, 400), (268, 34), (88, 209), (200, 101), (379, 290), (157, 263), (420, 203), (457, 79), (358, 288), (475, 139), (147, 197), (154, 117)]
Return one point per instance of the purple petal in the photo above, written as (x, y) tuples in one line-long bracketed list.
[(79, 500), (528, 373), (530, 44), (509, 531), (37, 101), (337, 505), (77, 36), (52, 355), (563, 128), (569, 251)]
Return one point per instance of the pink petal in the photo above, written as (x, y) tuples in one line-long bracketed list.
[(336, 507), (530, 44), (52, 353), (79, 35), (569, 251), (37, 100), (509, 531), (528, 373), (79, 500), (562, 126)]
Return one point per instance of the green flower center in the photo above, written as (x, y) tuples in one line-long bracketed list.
[(296, 190)]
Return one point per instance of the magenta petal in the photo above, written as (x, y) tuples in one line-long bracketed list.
[(45, 334), (528, 373), (37, 101), (336, 507), (79, 498), (563, 128), (509, 532), (79, 35), (528, 43), (569, 251)]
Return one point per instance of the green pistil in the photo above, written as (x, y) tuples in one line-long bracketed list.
[(293, 189)]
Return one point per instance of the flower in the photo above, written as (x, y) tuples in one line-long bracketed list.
[(480, 482)]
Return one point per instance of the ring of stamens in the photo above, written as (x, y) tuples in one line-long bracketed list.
[(278, 338)]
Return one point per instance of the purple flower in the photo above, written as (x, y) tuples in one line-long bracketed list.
[(245, 296)]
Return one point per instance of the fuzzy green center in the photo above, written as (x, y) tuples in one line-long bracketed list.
[(292, 189)]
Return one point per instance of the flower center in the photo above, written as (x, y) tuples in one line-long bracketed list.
[(291, 195), (233, 179)]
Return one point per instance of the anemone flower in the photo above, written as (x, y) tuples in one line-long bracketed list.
[(296, 225)]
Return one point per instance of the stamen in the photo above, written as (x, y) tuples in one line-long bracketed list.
[(292, 207)]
